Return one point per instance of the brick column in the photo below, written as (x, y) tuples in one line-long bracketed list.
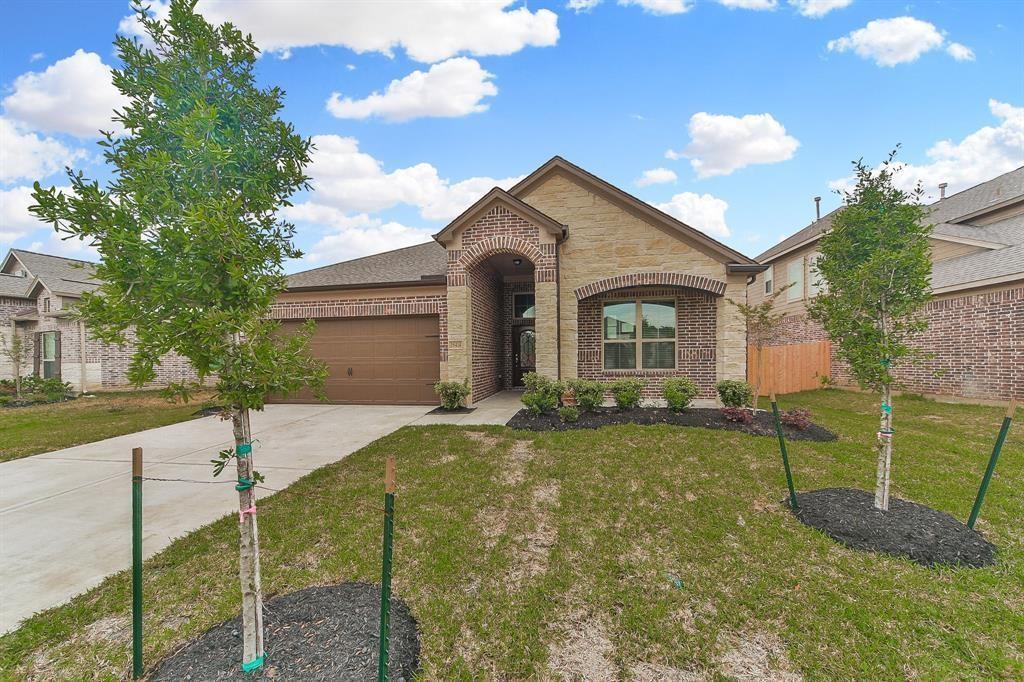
[(458, 366), (731, 332), (570, 335)]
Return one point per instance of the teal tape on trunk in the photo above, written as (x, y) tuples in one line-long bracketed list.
[(243, 484), (252, 665), (243, 449)]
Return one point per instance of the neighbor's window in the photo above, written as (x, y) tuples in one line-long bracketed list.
[(48, 355), (654, 347), (815, 282), (524, 305), (46, 304), (796, 277), (769, 280)]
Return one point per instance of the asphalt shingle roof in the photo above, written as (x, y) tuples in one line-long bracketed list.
[(409, 264), (64, 276), (13, 286)]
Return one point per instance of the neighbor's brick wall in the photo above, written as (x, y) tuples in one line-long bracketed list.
[(485, 292), (8, 307), (977, 342), (696, 314)]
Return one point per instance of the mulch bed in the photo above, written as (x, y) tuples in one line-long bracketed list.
[(458, 410), (910, 530), (707, 417), (318, 633)]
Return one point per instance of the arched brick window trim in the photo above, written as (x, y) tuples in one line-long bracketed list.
[(643, 279), (495, 245)]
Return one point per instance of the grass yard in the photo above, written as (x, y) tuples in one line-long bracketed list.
[(42, 428), (624, 553)]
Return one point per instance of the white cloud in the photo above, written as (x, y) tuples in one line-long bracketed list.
[(656, 176), (661, 7), (960, 52), (36, 56), (71, 248), (721, 144), (582, 5), (352, 236), (428, 31), (350, 67), (74, 95), (980, 156), (815, 9), (15, 219), (702, 211), (25, 155), (750, 4), (889, 42), (450, 89), (352, 181)]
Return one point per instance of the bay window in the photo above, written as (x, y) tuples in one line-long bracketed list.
[(639, 331)]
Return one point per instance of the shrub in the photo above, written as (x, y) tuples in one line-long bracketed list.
[(627, 392), (542, 393), (679, 392), (738, 414), (5, 399), (588, 394), (734, 393), (798, 418), (453, 393), (569, 414)]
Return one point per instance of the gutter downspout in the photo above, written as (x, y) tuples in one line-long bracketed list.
[(81, 352)]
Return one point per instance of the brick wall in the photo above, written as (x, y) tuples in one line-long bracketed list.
[(977, 344), (485, 291), (695, 345)]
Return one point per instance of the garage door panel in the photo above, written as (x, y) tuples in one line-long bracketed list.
[(393, 360)]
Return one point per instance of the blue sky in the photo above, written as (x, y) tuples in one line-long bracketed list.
[(738, 111)]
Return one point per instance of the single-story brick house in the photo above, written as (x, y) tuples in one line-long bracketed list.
[(38, 293), (976, 318), (563, 274)]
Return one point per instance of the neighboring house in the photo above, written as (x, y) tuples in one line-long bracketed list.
[(563, 274), (38, 294), (975, 335)]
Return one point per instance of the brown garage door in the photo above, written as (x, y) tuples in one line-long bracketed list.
[(390, 360)]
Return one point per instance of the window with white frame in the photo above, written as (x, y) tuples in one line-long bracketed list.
[(769, 280), (815, 283), (795, 275), (654, 347)]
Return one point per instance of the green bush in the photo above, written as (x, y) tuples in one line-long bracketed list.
[(569, 414), (734, 393), (542, 393), (627, 392), (4, 399), (679, 392), (588, 394), (453, 393)]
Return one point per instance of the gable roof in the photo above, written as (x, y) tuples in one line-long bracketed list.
[(419, 264), (62, 276), (953, 218), (627, 201), (499, 196), (14, 286)]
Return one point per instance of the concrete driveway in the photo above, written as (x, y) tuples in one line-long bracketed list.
[(65, 516)]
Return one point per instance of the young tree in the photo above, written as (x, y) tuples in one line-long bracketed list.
[(192, 249), (18, 351), (875, 260), (762, 323)]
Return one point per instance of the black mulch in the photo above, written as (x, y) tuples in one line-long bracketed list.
[(458, 410), (318, 633), (910, 530), (707, 417)]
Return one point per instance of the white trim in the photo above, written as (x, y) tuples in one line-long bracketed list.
[(979, 283), (967, 240)]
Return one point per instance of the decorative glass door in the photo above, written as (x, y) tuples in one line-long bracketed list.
[(524, 354)]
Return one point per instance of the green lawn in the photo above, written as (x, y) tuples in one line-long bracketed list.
[(42, 428), (645, 551)]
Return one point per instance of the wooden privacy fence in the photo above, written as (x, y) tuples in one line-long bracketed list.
[(787, 369)]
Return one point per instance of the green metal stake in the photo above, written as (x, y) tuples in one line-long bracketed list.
[(385, 579), (785, 453), (136, 563), (992, 463)]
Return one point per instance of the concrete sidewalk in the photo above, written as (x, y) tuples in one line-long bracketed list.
[(65, 516)]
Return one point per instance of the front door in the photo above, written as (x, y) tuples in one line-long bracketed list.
[(524, 354)]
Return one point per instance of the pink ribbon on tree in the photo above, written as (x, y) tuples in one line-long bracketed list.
[(242, 513)]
